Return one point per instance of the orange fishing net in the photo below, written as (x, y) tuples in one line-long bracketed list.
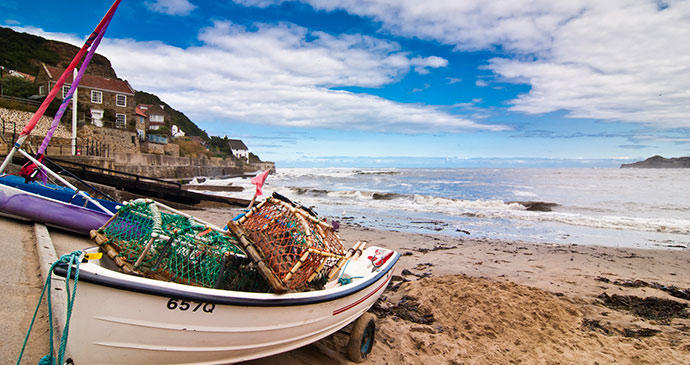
[(298, 247)]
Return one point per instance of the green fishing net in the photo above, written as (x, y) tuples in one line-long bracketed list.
[(171, 247)]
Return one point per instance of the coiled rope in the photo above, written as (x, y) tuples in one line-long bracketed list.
[(72, 260)]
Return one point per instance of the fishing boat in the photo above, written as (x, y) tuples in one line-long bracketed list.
[(119, 318), (173, 289), (64, 206)]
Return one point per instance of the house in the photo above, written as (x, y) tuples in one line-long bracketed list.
[(177, 132), (154, 115), (98, 94), (140, 122), (239, 149), (13, 73)]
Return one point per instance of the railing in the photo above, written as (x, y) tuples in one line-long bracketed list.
[(5, 129), (86, 147), (21, 100)]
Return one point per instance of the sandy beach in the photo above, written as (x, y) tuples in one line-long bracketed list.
[(469, 301)]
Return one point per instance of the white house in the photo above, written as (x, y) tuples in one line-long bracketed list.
[(177, 132), (239, 149)]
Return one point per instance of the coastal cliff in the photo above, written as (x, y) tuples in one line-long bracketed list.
[(658, 162)]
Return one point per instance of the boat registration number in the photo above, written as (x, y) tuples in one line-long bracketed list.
[(185, 305)]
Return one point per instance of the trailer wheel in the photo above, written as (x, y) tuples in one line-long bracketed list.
[(362, 338)]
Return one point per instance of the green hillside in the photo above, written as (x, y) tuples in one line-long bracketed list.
[(25, 52)]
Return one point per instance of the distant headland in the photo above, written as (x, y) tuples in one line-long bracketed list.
[(658, 162)]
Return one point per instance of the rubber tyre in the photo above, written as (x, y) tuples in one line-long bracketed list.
[(362, 338)]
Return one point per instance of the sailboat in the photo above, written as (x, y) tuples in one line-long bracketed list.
[(29, 196)]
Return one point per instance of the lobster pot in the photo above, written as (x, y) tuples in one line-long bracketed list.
[(298, 247), (145, 241)]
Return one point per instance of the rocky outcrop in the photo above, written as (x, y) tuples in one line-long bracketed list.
[(658, 162)]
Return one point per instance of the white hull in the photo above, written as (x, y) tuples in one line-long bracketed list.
[(127, 319)]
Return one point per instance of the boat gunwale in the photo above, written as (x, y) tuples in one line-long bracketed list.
[(231, 297)]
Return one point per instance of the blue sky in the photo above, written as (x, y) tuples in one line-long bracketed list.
[(408, 83)]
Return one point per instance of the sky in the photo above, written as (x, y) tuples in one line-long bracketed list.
[(405, 83)]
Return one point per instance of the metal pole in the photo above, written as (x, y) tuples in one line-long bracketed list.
[(74, 116)]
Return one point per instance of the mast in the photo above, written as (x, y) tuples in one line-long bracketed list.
[(74, 116), (58, 85)]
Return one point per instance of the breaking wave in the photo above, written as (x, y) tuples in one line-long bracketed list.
[(546, 202), (534, 211)]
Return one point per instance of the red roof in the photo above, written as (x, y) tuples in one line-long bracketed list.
[(92, 81), (22, 75), (141, 111)]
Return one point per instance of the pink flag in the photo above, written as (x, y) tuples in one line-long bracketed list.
[(259, 180)]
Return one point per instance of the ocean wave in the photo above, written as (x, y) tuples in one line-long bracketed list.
[(406, 202), (384, 172), (309, 191), (310, 173), (675, 226), (489, 210), (347, 190)]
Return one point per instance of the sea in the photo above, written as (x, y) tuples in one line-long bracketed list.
[(638, 208)]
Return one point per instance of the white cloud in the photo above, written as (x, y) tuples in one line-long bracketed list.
[(171, 7), (618, 60), (469, 25), (281, 75)]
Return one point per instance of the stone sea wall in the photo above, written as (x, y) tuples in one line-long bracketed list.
[(171, 167), (115, 140)]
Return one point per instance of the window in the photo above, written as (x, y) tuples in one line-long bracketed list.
[(42, 90), (96, 96), (65, 91), (120, 120), (156, 118), (121, 100)]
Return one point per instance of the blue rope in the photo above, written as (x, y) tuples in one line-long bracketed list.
[(72, 260), (346, 280)]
